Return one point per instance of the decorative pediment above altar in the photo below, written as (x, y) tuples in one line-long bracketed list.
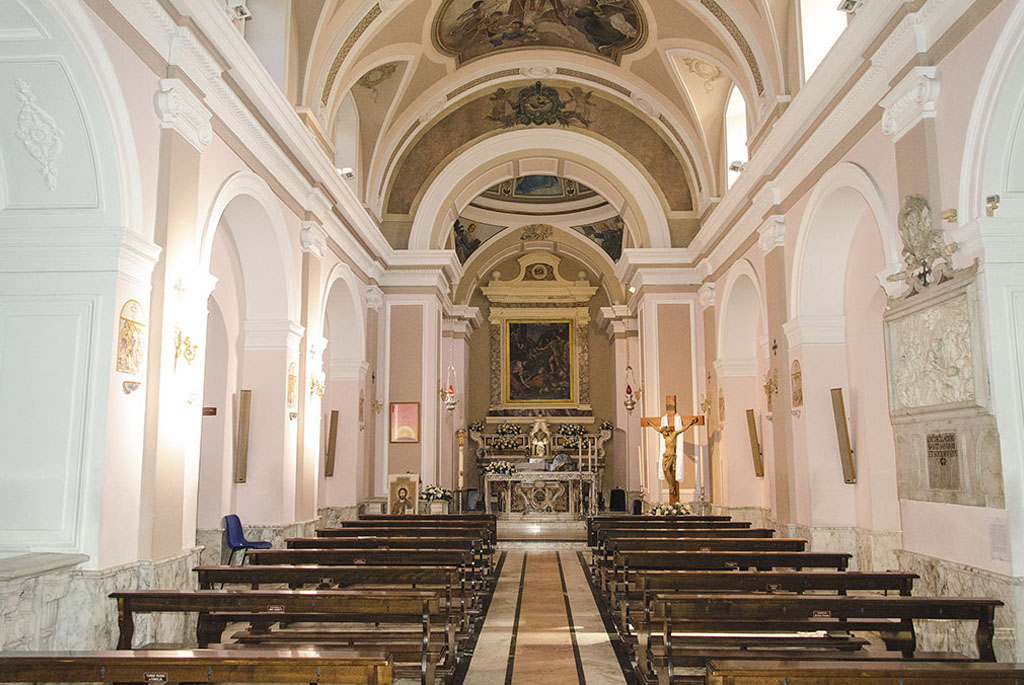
[(538, 281)]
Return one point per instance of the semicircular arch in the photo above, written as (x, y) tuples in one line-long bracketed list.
[(743, 310), (343, 313)]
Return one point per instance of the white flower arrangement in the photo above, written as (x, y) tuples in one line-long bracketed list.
[(573, 435), (435, 493), (607, 426), (666, 509), (507, 437), (502, 467), (476, 427)]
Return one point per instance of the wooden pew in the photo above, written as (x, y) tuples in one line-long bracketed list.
[(489, 520), (595, 523), (451, 579), (262, 609), (639, 586), (475, 546), (743, 624), (486, 529), (625, 562), (762, 672), (602, 562), (371, 666)]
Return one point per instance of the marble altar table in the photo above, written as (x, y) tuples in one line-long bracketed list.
[(543, 494)]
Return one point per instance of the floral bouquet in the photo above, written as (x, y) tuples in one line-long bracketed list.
[(476, 427), (505, 468), (507, 437), (666, 509), (573, 435), (607, 426), (435, 493)]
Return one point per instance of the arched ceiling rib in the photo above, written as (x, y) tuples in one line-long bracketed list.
[(625, 52)]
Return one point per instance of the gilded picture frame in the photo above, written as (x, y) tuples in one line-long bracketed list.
[(539, 362)]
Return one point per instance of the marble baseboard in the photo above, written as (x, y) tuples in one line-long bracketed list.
[(330, 517), (87, 617), (948, 579), (32, 588), (759, 517)]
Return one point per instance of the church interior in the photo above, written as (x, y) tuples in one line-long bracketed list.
[(506, 340)]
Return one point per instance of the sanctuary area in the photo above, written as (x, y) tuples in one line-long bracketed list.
[(512, 341)]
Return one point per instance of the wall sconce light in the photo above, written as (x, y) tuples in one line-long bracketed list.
[(737, 166), (316, 387), (377, 405), (292, 415), (949, 216), (130, 386), (991, 205), (347, 172), (183, 348)]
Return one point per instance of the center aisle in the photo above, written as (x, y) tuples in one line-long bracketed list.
[(543, 626)]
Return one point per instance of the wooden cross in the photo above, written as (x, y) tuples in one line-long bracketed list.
[(669, 432)]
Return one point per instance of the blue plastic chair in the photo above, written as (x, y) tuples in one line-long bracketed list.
[(236, 538)]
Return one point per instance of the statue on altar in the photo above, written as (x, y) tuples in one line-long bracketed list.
[(670, 426)]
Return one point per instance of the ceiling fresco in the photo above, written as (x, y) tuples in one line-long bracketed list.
[(538, 188), (468, 29)]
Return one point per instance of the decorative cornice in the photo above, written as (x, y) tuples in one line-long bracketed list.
[(182, 111), (706, 295), (272, 335), (313, 238), (616, 321), (772, 233), (910, 101), (815, 330)]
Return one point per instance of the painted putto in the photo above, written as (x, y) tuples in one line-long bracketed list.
[(469, 29)]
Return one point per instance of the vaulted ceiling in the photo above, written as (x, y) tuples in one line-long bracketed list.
[(402, 90)]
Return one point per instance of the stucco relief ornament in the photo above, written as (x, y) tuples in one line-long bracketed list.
[(926, 255), (540, 105), (38, 131)]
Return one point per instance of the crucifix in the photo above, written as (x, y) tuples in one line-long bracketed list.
[(670, 429)]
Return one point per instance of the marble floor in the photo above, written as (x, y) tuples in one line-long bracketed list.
[(543, 626)]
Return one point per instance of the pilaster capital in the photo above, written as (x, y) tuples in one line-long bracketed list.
[(815, 330), (261, 334), (179, 109), (374, 298), (313, 238), (772, 233), (910, 101), (462, 320), (706, 295), (616, 321)]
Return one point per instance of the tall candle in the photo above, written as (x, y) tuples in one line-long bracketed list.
[(640, 456), (462, 467)]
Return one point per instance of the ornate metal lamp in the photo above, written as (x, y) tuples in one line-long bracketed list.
[(448, 397)]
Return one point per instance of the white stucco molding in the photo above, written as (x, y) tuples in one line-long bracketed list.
[(180, 110), (772, 233), (272, 335), (313, 238), (706, 295), (374, 298), (462, 319), (735, 368), (910, 101), (347, 370), (616, 321), (639, 267), (815, 330)]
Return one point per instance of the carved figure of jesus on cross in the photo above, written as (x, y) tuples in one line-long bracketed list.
[(670, 430)]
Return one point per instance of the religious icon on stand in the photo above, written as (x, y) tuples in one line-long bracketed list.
[(403, 493), (670, 426)]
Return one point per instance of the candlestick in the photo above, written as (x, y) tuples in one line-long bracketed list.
[(640, 456)]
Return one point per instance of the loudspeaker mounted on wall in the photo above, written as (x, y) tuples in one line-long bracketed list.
[(242, 435), (332, 444), (843, 436), (755, 446)]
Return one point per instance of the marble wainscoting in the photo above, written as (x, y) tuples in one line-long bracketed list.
[(331, 517), (942, 578), (32, 588), (872, 550), (87, 617), (215, 549)]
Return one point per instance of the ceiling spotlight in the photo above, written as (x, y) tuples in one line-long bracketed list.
[(631, 290), (347, 172), (850, 6), (738, 167)]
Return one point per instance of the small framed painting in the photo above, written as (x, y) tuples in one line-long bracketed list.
[(403, 493), (405, 422)]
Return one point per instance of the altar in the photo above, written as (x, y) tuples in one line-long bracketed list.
[(543, 494)]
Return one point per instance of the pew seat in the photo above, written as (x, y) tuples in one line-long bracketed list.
[(369, 666), (860, 672)]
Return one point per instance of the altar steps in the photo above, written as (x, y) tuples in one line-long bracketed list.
[(535, 534)]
